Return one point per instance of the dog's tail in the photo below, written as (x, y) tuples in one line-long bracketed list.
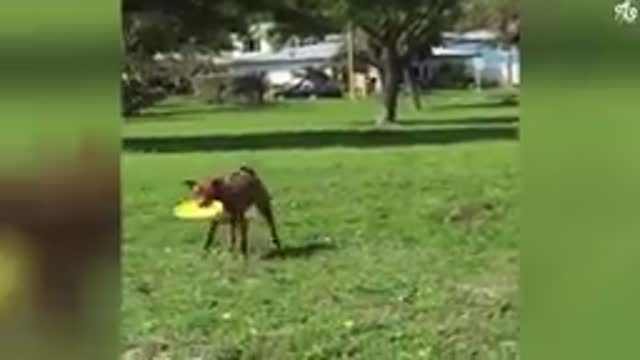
[(249, 170)]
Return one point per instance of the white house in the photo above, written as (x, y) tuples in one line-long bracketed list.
[(282, 66), (487, 62)]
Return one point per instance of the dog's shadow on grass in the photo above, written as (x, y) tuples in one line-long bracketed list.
[(298, 251)]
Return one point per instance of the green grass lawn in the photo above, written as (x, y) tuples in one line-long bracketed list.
[(399, 243)]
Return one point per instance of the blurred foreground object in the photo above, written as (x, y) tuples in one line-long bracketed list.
[(59, 257)]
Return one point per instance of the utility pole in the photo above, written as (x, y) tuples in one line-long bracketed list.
[(350, 60)]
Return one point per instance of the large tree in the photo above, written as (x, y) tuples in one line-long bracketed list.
[(393, 32), (150, 26)]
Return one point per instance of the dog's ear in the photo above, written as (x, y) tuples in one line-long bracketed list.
[(190, 184), (216, 184)]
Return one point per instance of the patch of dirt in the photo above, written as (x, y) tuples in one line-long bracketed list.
[(468, 214), (152, 350)]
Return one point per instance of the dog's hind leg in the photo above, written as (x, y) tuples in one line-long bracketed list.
[(264, 207), (233, 222), (244, 230)]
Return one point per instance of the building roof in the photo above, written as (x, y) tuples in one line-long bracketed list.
[(320, 51), (441, 51), (285, 58), (473, 36)]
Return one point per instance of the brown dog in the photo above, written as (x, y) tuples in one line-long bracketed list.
[(237, 191)]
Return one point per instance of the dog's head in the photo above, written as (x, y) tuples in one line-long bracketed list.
[(205, 189)]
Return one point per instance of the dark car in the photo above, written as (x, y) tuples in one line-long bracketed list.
[(308, 88)]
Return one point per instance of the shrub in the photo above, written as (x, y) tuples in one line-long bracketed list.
[(225, 88)]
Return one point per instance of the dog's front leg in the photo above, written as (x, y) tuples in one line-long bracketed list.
[(211, 234), (232, 232)]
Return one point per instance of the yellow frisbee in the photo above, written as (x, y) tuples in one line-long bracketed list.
[(191, 210)]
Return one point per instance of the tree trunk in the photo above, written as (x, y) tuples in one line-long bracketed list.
[(390, 86), (413, 88)]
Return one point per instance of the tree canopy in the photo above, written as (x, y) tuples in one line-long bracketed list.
[(150, 26), (502, 16)]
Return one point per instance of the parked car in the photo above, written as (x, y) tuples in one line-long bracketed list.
[(308, 88)]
